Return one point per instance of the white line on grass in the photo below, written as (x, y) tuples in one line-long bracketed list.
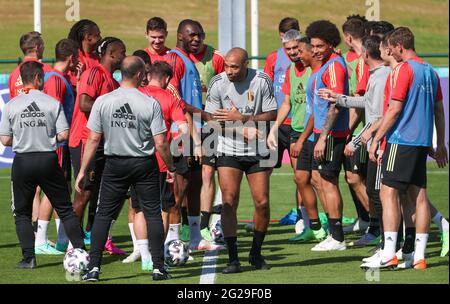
[(208, 275)]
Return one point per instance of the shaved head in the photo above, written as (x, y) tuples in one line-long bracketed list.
[(236, 62), (131, 66), (238, 54)]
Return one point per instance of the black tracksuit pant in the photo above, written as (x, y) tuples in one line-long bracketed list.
[(30, 170), (120, 173)]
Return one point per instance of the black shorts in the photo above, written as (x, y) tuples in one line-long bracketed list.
[(284, 142), (210, 158), (305, 159), (404, 165), (186, 164), (64, 161), (247, 164), (334, 156), (167, 195), (95, 168), (357, 163)]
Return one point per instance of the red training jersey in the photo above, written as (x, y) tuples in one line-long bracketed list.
[(173, 112), (89, 60), (55, 86), (15, 84), (160, 56), (94, 82)]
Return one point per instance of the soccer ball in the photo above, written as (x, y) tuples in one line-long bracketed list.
[(176, 253), (217, 232), (76, 261)]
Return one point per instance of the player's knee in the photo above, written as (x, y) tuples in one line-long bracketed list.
[(352, 179), (262, 204)]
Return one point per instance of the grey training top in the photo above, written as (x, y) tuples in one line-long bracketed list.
[(129, 120), (33, 120), (373, 99), (252, 96)]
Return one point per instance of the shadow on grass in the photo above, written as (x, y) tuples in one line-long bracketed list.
[(12, 245)]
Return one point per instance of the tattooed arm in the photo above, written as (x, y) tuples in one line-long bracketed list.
[(319, 149)]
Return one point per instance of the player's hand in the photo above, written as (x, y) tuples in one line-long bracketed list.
[(348, 151), (328, 95), (441, 156), (228, 115), (296, 148), (251, 133), (170, 177), (79, 181), (373, 151), (319, 150), (80, 69), (380, 157), (366, 136), (198, 153), (272, 141)]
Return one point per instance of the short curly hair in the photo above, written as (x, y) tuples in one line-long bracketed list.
[(325, 30)]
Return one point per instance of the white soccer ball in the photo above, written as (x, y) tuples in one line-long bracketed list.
[(76, 261), (176, 253), (217, 232)]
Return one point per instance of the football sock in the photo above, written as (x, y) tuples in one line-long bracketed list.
[(41, 234), (232, 249), (258, 239), (314, 224), (420, 246), (61, 233), (336, 230), (144, 250), (184, 216), (441, 222), (194, 229), (204, 222), (133, 236), (410, 236), (173, 233), (304, 216), (390, 241)]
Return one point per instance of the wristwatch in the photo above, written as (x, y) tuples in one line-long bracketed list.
[(172, 170)]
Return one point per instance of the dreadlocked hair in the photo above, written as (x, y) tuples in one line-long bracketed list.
[(80, 29)]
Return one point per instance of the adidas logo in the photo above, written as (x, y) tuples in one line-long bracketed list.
[(124, 112), (32, 111)]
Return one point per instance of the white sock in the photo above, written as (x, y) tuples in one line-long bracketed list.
[(57, 223), (441, 222), (304, 216), (61, 233), (194, 229), (144, 250), (420, 245), (41, 234), (173, 233), (390, 242), (133, 236), (110, 229)]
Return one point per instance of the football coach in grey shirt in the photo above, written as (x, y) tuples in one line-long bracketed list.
[(32, 123), (133, 128), (242, 95)]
